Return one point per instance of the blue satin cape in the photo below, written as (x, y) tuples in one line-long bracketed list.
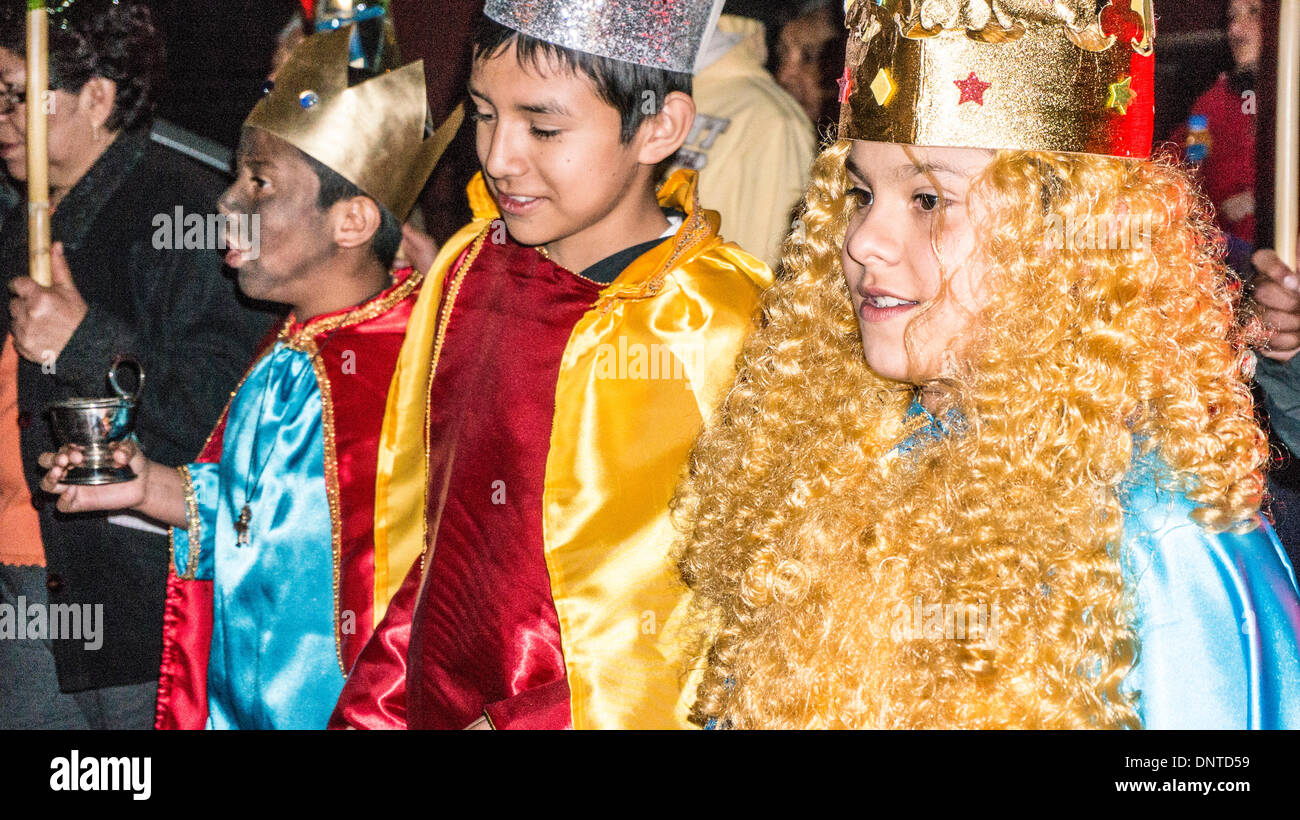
[(1217, 615), (274, 659), (1217, 618)]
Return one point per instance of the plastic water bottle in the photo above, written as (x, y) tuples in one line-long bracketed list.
[(1197, 147)]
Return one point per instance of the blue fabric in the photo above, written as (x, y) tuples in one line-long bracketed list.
[(1217, 616), (274, 661), (931, 429)]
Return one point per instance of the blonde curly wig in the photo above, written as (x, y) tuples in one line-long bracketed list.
[(807, 536)]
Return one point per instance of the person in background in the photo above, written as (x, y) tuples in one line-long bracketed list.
[(120, 287), (29, 687), (292, 32), (808, 55), (1276, 294), (1219, 135), (743, 121)]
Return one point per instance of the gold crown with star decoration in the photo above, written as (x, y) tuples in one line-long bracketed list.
[(1034, 75), (372, 133)]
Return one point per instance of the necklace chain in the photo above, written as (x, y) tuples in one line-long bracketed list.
[(253, 480)]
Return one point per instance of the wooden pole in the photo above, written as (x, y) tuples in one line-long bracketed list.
[(38, 145), (1286, 171)]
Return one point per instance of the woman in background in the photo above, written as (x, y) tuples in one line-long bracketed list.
[(120, 286)]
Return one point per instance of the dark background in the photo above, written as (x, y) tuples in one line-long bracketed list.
[(219, 52), (218, 56)]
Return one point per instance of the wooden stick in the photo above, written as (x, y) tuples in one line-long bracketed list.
[(1286, 185), (38, 144)]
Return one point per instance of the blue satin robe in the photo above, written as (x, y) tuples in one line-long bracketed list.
[(1217, 616), (274, 660)]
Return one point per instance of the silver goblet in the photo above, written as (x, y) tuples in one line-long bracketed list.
[(95, 425)]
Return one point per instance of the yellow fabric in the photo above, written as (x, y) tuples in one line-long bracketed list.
[(622, 431)]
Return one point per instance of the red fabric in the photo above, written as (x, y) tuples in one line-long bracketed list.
[(359, 360), (1229, 168), (187, 636), (482, 630), (374, 696), (546, 707), (1131, 132), (187, 630), (21, 545)]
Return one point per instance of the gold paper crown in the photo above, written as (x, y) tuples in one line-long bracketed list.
[(1038, 75), (371, 134)]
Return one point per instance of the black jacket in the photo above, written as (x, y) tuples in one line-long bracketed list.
[(178, 313), (8, 203)]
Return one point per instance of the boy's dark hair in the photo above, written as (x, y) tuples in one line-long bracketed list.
[(625, 86), (334, 188), (99, 38)]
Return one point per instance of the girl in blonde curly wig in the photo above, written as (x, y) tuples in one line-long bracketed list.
[(1036, 506)]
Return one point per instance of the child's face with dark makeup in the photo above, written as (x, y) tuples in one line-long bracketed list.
[(276, 190)]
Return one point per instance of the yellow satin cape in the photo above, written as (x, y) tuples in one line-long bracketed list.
[(641, 372)]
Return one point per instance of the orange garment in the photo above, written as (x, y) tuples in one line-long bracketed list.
[(20, 529)]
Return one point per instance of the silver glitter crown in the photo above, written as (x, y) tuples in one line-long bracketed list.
[(663, 34)]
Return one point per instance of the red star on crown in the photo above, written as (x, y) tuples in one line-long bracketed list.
[(846, 85), (972, 89)]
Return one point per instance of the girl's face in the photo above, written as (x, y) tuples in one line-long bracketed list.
[(895, 277)]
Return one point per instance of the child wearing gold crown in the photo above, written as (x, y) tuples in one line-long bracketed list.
[(979, 470), (275, 582), (560, 364)]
